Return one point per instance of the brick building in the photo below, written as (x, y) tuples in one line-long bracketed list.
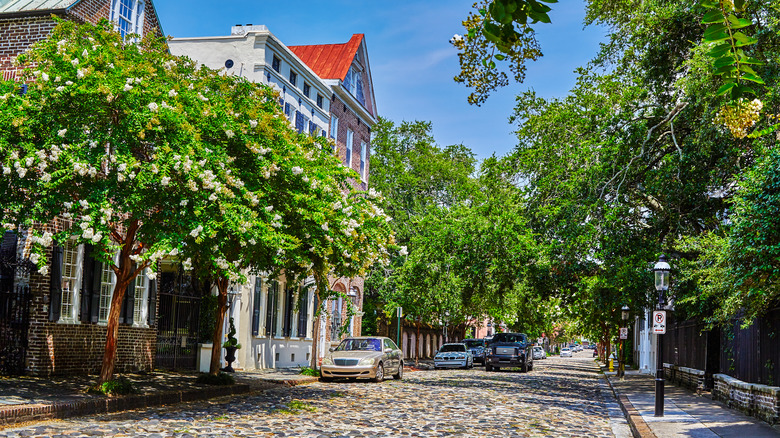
[(56, 324)]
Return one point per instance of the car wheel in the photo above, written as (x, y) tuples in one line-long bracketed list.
[(400, 374), (326, 379), (488, 367), (380, 373), (525, 367)]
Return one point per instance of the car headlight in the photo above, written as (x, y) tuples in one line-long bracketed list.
[(368, 361), (327, 361)]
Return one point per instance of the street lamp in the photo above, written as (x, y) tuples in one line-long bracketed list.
[(662, 274), (623, 335)]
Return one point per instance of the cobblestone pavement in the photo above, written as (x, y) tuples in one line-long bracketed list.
[(560, 397)]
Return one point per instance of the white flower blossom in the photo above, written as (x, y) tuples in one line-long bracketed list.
[(44, 76), (151, 275), (21, 171), (34, 258), (88, 233), (172, 93), (9, 226), (325, 226), (229, 133), (84, 203), (297, 170), (80, 73), (213, 197), (60, 88), (44, 270), (75, 62), (269, 208), (154, 169), (68, 83), (128, 87), (96, 237), (62, 132), (184, 203), (6, 170), (46, 177), (196, 232), (403, 251), (253, 123), (174, 252), (165, 180), (187, 264), (153, 107)]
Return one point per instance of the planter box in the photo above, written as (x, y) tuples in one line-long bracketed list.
[(204, 357)]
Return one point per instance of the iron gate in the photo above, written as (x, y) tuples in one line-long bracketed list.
[(15, 300), (179, 300)]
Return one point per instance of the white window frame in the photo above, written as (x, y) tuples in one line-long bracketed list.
[(348, 152), (140, 303), (280, 302), (73, 292), (134, 22), (363, 161), (334, 127), (111, 284)]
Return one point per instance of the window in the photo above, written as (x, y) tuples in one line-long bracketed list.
[(276, 64), (256, 305), (335, 319), (319, 100), (128, 15), (306, 89), (350, 136), (349, 81), (72, 255), (334, 127), (107, 280), (359, 89), (312, 129), (363, 163), (139, 299), (303, 312), (288, 110), (300, 121), (293, 78), (272, 307)]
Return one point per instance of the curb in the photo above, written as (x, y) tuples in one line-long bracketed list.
[(638, 426), (18, 414)]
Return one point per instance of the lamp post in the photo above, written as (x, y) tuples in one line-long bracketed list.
[(661, 271), (623, 335)]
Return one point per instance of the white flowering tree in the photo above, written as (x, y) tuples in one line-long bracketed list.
[(143, 153)]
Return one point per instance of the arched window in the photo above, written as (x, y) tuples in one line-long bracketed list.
[(128, 15)]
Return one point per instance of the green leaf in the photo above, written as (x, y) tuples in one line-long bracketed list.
[(510, 7), (472, 33), (725, 69), (710, 4), (725, 88), (539, 17), (750, 60), (739, 4), (714, 16), (538, 7), (549, 1), (719, 50), (739, 23), (753, 78), (482, 12), (500, 57), (743, 40), (726, 60), (747, 69), (492, 65)]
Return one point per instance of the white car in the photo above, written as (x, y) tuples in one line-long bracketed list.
[(565, 352), (539, 353), (453, 356)]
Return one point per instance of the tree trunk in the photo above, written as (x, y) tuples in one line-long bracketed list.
[(417, 346), (124, 275), (315, 346), (216, 348)]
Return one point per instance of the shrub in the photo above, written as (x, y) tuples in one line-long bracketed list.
[(307, 371), (118, 386)]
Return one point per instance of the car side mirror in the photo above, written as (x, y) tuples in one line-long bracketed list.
[(435, 352), (331, 349), (388, 350)]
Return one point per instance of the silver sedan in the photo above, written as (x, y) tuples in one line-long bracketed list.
[(363, 357)]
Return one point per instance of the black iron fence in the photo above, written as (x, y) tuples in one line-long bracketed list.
[(178, 317), (15, 300), (750, 354)]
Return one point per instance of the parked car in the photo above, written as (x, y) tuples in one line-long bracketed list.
[(508, 350), (478, 349), (363, 358), (539, 353), (565, 352), (453, 356)]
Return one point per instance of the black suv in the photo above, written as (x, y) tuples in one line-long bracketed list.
[(509, 350)]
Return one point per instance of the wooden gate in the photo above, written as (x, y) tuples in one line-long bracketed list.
[(177, 319), (15, 300)]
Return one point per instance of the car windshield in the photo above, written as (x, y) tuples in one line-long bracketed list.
[(360, 345), (565, 349), (452, 347), (537, 348), (471, 343), (509, 337)]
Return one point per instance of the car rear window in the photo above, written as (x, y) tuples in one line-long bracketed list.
[(453, 347), (471, 343), (509, 337)]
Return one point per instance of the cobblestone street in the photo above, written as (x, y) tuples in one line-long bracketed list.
[(560, 397)]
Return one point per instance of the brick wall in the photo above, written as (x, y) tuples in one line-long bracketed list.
[(362, 133), (761, 401), (18, 34), (690, 378), (68, 349)]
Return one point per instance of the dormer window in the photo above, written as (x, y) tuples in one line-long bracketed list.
[(128, 16), (353, 82)]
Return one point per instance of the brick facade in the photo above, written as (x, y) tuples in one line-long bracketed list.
[(17, 34), (348, 120)]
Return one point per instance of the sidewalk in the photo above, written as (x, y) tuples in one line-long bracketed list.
[(33, 398), (686, 414)]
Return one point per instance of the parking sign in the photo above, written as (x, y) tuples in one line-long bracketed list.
[(623, 332), (659, 322)]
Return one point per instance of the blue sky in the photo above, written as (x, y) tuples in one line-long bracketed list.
[(412, 62)]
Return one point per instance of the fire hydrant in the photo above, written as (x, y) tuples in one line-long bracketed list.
[(611, 365)]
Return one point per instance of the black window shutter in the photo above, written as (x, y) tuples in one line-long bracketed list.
[(288, 311), (303, 312), (269, 309), (56, 283), (87, 270), (256, 306), (94, 306), (7, 260), (129, 304), (152, 301)]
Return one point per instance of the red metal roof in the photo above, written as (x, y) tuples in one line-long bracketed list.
[(329, 61)]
